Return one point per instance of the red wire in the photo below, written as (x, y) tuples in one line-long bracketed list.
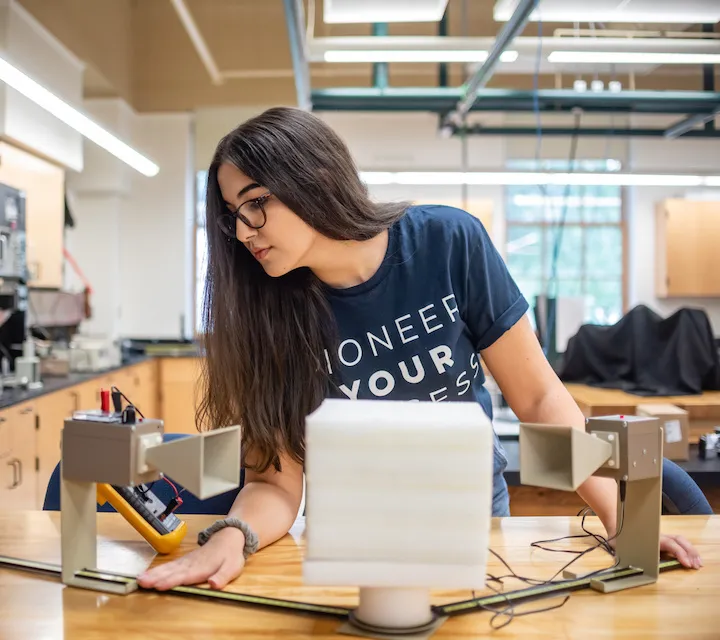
[(77, 270), (177, 494)]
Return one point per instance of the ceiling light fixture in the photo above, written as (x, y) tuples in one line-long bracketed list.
[(627, 57), (28, 87), (427, 55), (354, 11), (696, 12), (504, 178)]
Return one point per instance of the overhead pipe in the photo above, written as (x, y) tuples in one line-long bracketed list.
[(198, 41), (443, 67), (709, 76), (619, 132), (480, 78), (442, 100), (380, 69), (295, 21), (564, 32), (686, 127)]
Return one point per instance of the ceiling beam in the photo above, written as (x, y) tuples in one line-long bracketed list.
[(197, 40), (482, 75), (687, 125), (443, 100), (295, 21), (619, 132)]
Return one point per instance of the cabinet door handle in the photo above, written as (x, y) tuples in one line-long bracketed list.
[(11, 463), (19, 468), (76, 400)]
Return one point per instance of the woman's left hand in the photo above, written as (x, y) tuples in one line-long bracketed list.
[(682, 549)]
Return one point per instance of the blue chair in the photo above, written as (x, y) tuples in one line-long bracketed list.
[(217, 505)]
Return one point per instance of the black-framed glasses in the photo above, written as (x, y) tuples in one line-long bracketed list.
[(251, 213)]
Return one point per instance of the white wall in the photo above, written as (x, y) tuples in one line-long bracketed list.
[(133, 233), (97, 197), (211, 124), (154, 232), (95, 247)]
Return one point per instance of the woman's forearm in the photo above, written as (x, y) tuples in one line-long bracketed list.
[(268, 509), (558, 407), (600, 494)]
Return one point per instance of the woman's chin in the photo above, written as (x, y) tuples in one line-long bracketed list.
[(273, 269)]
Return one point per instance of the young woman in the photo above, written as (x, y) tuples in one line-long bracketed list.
[(313, 290)]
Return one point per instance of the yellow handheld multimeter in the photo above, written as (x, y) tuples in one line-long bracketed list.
[(149, 516), (162, 529)]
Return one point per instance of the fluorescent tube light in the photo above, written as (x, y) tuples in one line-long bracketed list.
[(426, 55), (353, 11), (639, 57), (528, 200), (617, 11), (504, 178), (25, 85)]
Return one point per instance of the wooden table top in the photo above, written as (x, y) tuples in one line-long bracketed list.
[(683, 604), (599, 397)]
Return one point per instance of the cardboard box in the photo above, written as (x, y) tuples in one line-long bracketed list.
[(676, 427)]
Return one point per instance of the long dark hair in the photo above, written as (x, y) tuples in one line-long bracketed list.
[(264, 337)]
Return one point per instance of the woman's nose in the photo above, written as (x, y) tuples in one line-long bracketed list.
[(243, 232)]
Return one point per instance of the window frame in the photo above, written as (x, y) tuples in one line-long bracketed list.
[(544, 225)]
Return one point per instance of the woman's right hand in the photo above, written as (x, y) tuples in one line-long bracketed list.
[(218, 562)]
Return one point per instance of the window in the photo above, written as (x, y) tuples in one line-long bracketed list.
[(200, 246), (568, 241)]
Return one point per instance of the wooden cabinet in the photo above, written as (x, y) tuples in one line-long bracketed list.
[(51, 411), (18, 479), (687, 235), (5, 437), (44, 187), (86, 395), (179, 393), (30, 432), (143, 382)]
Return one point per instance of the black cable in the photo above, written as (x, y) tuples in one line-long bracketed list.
[(598, 538), (602, 543), (116, 390), (536, 101), (553, 285), (510, 610)]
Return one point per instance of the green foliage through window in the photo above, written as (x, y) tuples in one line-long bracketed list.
[(590, 246)]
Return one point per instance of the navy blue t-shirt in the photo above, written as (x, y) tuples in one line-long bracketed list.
[(414, 329)]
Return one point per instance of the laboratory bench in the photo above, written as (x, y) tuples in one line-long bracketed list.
[(31, 420), (682, 604)]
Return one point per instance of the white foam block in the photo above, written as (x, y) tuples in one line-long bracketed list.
[(399, 487)]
